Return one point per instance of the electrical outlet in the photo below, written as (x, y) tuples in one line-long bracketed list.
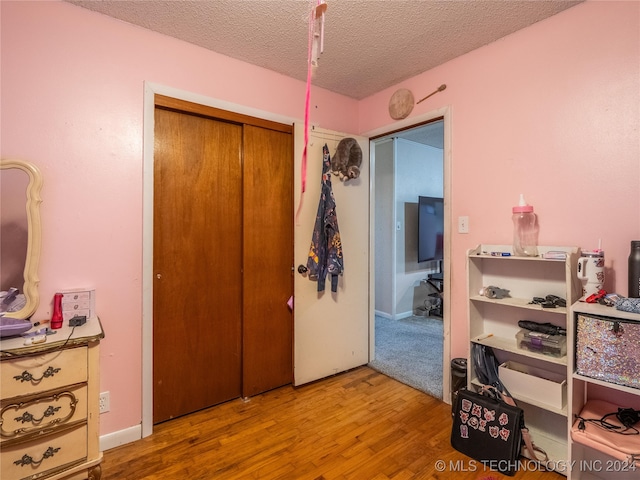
[(104, 402)]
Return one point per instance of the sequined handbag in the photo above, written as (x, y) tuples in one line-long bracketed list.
[(607, 349)]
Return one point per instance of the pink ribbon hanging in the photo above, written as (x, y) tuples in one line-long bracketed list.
[(303, 166)]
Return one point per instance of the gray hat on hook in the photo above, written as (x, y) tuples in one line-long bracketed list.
[(347, 159)]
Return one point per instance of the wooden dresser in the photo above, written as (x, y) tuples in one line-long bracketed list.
[(49, 425)]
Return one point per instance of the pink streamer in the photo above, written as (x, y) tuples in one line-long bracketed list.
[(303, 167)]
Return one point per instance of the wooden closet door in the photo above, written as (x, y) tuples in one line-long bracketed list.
[(197, 299), (268, 259)]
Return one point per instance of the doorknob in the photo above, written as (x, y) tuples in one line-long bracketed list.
[(302, 269)]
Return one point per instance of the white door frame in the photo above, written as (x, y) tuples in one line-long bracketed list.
[(445, 114)]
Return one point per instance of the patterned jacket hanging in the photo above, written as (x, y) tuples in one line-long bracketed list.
[(325, 254)]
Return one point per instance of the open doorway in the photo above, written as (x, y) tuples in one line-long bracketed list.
[(409, 186)]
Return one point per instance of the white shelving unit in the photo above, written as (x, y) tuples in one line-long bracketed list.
[(590, 463), (494, 322)]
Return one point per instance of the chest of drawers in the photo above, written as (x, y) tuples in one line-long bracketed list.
[(49, 424)]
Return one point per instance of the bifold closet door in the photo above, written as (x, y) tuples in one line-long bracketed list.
[(197, 257)]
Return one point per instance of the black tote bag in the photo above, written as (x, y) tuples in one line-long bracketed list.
[(488, 430)]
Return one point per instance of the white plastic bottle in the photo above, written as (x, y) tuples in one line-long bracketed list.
[(525, 230)]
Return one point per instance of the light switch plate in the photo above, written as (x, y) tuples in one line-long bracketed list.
[(463, 224)]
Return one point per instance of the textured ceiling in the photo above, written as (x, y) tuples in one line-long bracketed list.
[(368, 45)]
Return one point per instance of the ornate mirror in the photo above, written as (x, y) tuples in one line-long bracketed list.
[(20, 237)]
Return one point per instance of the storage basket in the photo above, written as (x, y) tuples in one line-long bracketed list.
[(528, 383), (607, 349)]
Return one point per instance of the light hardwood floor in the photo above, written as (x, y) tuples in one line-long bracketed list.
[(356, 425)]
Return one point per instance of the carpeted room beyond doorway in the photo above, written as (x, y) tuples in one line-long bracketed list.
[(410, 350)]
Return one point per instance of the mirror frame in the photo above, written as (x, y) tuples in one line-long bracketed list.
[(34, 236)]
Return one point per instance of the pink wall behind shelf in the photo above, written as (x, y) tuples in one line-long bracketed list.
[(551, 111)]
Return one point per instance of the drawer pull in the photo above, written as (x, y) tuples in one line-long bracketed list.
[(27, 417), (28, 377), (28, 460), (35, 422)]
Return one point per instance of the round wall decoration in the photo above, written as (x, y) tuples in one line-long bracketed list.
[(401, 104)]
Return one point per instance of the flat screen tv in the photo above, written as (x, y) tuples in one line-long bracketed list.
[(430, 228)]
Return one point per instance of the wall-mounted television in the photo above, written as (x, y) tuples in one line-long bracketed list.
[(430, 228)]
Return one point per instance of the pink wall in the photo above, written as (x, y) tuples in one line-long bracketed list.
[(551, 111), (72, 103)]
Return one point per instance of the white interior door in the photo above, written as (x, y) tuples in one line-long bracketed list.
[(331, 332)]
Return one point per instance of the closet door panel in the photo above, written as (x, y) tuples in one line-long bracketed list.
[(267, 259), (197, 263)]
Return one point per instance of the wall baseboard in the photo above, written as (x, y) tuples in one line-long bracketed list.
[(121, 437), (398, 316)]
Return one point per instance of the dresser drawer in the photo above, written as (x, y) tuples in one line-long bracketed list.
[(29, 415), (81, 295), (38, 373), (46, 454), (73, 306)]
